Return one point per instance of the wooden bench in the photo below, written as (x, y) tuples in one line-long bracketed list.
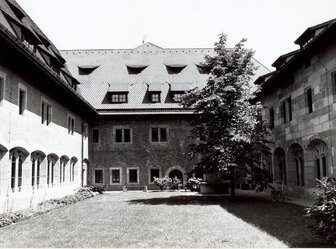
[(132, 188)]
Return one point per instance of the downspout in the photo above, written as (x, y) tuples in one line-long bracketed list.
[(82, 151)]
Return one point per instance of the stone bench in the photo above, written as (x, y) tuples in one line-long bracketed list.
[(131, 188)]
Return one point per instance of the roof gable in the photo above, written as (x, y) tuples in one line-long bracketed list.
[(147, 47)]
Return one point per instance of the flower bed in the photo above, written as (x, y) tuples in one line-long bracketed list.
[(47, 206)]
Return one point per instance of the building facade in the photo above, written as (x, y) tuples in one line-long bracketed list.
[(43, 119), (142, 130), (299, 100), (111, 117)]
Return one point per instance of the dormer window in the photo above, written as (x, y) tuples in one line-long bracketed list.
[(16, 10), (86, 70), (118, 97), (135, 69), (154, 97), (176, 96), (203, 69), (175, 68)]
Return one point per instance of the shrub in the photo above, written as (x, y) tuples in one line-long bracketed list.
[(193, 184), (323, 212), (167, 183), (97, 188), (163, 183)]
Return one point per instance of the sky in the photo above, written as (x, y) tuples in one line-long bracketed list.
[(270, 26)]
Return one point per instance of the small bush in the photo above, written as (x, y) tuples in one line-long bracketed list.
[(165, 183), (323, 212), (97, 188), (193, 184)]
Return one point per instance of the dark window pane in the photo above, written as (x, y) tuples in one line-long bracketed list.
[(98, 176), (95, 135), (154, 173), (163, 134), (271, 113), (33, 173), (127, 135), (324, 166), (38, 167), (115, 176), (289, 100), (20, 172), (22, 98), (309, 100), (118, 135), (155, 134), (13, 172), (72, 125), (42, 113), (133, 175)]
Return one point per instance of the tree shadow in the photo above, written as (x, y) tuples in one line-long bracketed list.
[(285, 221)]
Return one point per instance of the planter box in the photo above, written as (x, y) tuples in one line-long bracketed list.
[(214, 188)]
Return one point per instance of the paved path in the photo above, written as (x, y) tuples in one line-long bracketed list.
[(168, 219)]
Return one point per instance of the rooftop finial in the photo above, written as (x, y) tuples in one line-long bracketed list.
[(143, 40)]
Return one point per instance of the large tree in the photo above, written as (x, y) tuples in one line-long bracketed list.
[(228, 126)]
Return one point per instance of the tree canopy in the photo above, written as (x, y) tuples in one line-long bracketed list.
[(228, 126)]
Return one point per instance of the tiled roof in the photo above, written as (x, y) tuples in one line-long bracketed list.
[(310, 41), (17, 26), (154, 69), (311, 32)]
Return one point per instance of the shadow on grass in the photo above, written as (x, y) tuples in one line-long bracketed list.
[(285, 221)]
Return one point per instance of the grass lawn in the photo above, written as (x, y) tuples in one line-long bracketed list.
[(168, 219)]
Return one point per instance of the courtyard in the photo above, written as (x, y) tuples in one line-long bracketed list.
[(166, 219)]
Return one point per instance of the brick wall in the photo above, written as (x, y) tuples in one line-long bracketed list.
[(141, 152)]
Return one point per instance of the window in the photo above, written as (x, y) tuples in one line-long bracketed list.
[(176, 96), (271, 119), (98, 176), (133, 176), (136, 69), (123, 135), (154, 97), (13, 173), (95, 136), (286, 110), (2, 90), (22, 100), (71, 125), (154, 173), (175, 69), (45, 113), (117, 98), (16, 170), (63, 162), (309, 100), (115, 176), (159, 134)]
